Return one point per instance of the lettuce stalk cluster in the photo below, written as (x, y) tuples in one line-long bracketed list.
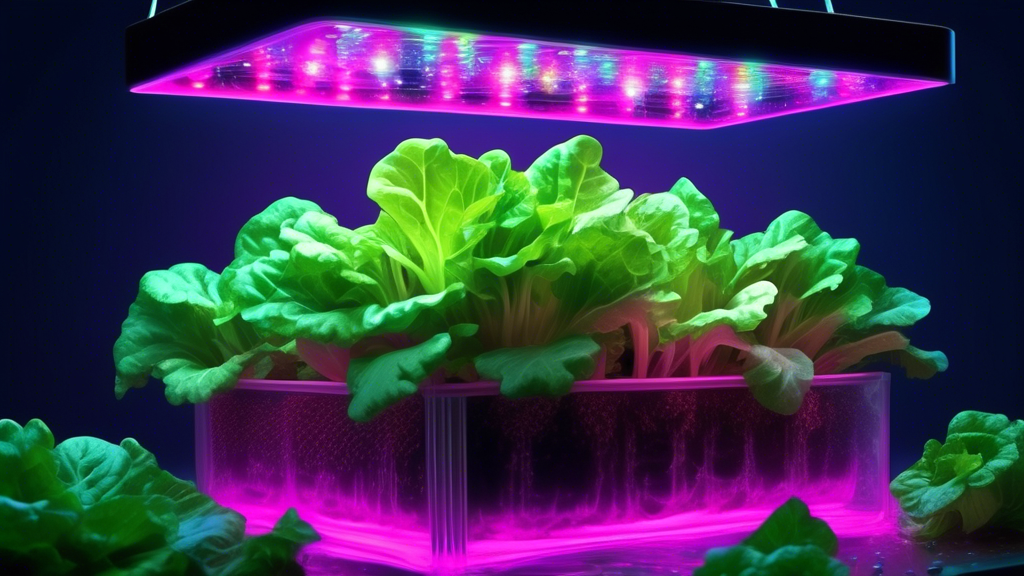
[(535, 279)]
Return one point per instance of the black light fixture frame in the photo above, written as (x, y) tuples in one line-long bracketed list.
[(197, 29)]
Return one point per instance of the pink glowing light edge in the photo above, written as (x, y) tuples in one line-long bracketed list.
[(164, 86), (467, 389), (410, 549)]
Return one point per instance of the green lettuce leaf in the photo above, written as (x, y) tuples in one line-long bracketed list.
[(259, 238), (778, 377), (547, 370), (89, 507), (172, 334), (438, 200), (837, 313), (973, 479), (518, 258), (789, 542), (377, 382), (569, 178), (336, 286), (743, 312)]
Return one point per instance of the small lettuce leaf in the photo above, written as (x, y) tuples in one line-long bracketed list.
[(570, 177), (756, 255), (380, 381), (778, 377), (89, 507), (789, 542), (666, 219), (272, 554), (36, 509), (171, 333), (743, 312), (974, 479), (792, 525), (546, 370)]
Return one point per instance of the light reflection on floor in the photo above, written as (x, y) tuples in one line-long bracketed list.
[(869, 544)]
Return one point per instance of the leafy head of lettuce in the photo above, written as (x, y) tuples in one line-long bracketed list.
[(789, 542), (173, 333), (571, 256), (973, 479), (85, 506), (533, 278), (784, 305)]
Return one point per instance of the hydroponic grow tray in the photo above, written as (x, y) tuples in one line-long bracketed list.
[(462, 479), (718, 64)]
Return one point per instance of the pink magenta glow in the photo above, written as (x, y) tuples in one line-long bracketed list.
[(373, 66), (461, 479)]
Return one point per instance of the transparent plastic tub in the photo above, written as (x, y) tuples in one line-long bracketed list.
[(462, 479)]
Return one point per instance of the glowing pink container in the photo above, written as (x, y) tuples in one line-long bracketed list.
[(339, 63), (462, 479)]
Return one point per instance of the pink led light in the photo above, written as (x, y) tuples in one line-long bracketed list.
[(462, 479), (375, 66)]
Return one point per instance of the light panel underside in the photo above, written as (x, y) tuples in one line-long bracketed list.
[(372, 66)]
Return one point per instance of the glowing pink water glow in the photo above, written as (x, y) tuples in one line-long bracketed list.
[(338, 63), (460, 479)]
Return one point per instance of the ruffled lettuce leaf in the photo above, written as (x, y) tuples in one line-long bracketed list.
[(790, 541), (568, 178), (259, 238), (973, 479), (440, 202), (377, 382), (335, 286), (743, 312), (89, 507), (544, 370), (172, 333), (837, 313)]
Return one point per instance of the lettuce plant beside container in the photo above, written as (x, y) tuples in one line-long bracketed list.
[(497, 293)]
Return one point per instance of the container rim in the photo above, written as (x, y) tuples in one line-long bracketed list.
[(490, 388)]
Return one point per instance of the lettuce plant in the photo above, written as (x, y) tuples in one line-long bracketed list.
[(790, 541), (797, 305), (172, 333), (534, 279), (973, 479), (86, 506)]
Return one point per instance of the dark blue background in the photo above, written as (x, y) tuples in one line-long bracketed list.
[(103, 185)]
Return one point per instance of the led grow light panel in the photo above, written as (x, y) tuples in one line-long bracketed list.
[(373, 66)]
